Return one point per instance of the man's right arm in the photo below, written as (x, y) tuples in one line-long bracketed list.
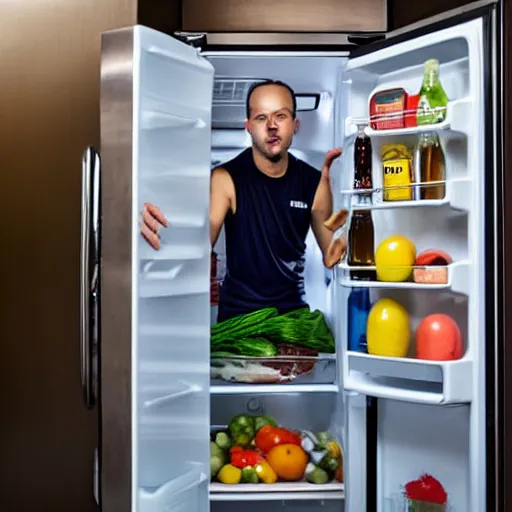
[(222, 199)]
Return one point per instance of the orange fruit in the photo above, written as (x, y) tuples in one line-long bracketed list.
[(438, 338), (289, 461)]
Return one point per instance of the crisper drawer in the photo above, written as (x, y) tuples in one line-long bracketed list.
[(299, 479)]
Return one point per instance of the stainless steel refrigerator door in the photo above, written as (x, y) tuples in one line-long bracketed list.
[(156, 95)]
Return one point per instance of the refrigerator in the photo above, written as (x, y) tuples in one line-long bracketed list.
[(171, 107)]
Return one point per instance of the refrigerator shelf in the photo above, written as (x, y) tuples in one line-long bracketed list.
[(457, 196), (458, 278), (286, 370), (280, 491), (410, 380), (226, 388), (455, 125)]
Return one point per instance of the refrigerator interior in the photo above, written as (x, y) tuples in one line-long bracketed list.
[(417, 399), (310, 407), (306, 74)]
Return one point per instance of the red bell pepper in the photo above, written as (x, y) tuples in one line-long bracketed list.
[(269, 436), (427, 489), (243, 458)]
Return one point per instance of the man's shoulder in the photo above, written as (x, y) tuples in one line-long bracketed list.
[(235, 163)]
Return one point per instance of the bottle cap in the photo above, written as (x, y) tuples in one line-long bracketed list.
[(431, 65)]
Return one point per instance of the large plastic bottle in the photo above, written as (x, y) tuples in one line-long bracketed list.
[(359, 307)]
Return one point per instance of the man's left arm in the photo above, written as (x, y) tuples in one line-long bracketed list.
[(321, 210)]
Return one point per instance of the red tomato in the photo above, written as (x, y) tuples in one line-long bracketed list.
[(269, 436), (438, 338)]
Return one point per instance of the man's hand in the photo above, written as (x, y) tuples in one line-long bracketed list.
[(332, 250), (329, 159), (152, 220)]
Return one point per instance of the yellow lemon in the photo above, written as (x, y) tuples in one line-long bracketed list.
[(394, 259), (387, 331), (230, 475)]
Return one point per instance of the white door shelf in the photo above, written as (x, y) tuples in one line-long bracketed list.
[(458, 279), (152, 120), (410, 380), (457, 196), (178, 495), (168, 278), (277, 492), (456, 123)]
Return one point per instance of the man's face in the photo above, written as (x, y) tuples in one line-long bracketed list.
[(271, 123)]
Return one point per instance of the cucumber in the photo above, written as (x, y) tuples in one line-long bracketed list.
[(222, 440), (316, 475)]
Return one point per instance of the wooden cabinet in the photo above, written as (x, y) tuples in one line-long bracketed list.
[(405, 12), (288, 15), (285, 15)]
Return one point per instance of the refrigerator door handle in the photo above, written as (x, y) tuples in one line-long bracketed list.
[(89, 273)]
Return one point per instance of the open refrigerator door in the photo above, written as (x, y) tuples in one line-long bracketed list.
[(155, 118), (419, 188), (174, 119)]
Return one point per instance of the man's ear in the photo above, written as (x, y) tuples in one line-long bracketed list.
[(246, 125), (297, 125)]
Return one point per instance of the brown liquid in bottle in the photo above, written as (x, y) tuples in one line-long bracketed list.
[(361, 239), (432, 166), (361, 233)]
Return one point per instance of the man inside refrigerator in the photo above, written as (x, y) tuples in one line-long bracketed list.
[(267, 200)]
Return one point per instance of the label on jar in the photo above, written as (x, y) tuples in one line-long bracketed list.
[(387, 109), (397, 173)]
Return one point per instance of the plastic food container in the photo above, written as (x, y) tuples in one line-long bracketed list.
[(294, 365)]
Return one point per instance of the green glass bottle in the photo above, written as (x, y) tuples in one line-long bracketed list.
[(433, 100)]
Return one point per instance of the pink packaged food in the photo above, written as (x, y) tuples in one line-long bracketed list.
[(387, 109)]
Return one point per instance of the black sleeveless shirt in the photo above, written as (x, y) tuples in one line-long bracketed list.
[(265, 237)]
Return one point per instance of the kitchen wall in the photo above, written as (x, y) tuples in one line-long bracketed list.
[(49, 111)]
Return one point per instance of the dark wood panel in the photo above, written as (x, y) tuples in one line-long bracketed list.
[(162, 15), (405, 12), (49, 107), (284, 15)]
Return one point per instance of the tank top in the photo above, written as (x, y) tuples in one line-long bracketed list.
[(265, 237)]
